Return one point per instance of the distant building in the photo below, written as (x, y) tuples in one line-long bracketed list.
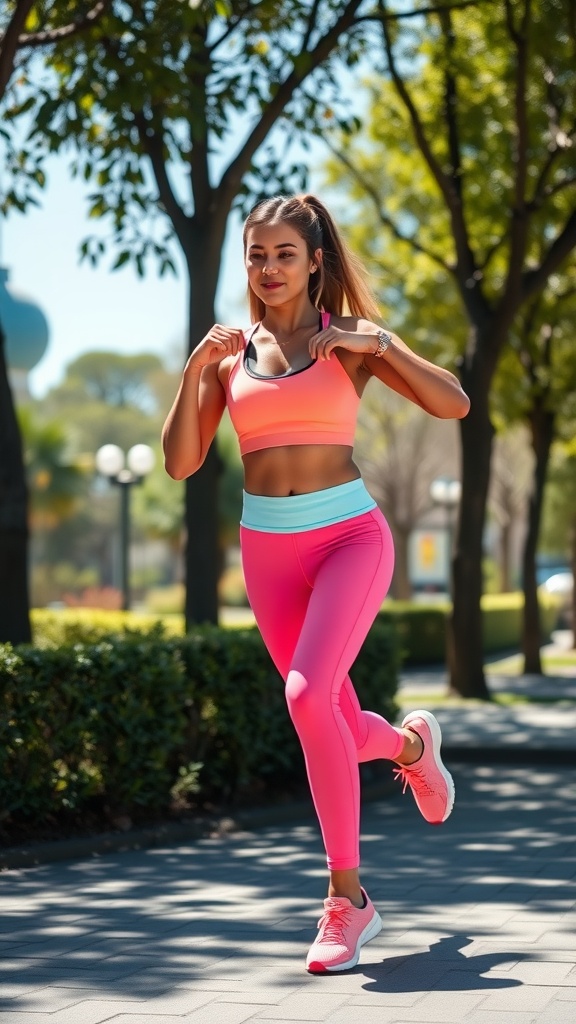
[(26, 331)]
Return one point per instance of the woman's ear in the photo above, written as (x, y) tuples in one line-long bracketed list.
[(315, 263)]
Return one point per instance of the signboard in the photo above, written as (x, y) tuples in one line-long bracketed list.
[(428, 558)]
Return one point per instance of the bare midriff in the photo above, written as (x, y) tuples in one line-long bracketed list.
[(298, 469)]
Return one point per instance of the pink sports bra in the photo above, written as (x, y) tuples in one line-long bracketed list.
[(315, 405)]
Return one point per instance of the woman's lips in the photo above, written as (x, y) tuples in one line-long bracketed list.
[(272, 284)]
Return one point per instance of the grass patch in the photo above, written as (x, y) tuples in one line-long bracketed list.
[(567, 660), (513, 665), (511, 699)]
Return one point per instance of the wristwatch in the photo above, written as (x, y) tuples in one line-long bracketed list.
[(384, 340)]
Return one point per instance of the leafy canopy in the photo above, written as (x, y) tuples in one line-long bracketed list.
[(157, 96)]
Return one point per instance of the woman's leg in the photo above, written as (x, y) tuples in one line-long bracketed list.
[(348, 566)]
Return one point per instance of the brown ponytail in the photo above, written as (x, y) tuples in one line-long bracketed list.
[(340, 285)]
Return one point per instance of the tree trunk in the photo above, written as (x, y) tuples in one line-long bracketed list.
[(202, 557), (505, 547), (401, 585), (14, 600), (542, 424), (465, 648), (573, 561)]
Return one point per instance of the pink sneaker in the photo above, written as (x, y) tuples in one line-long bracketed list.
[(343, 930), (430, 782)]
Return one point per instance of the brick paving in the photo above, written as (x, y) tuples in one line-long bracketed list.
[(479, 920)]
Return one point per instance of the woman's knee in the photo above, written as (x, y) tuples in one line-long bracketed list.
[(304, 699)]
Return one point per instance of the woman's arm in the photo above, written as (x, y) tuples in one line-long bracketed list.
[(431, 387), (192, 422)]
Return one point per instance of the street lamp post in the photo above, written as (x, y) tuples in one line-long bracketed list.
[(446, 492), (125, 470)]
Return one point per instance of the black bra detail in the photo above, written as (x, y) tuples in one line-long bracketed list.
[(266, 376), (250, 354)]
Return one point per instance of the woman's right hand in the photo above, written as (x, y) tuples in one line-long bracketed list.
[(220, 342)]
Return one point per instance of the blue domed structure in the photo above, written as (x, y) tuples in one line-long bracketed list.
[(26, 332)]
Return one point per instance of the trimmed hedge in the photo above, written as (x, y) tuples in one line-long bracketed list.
[(89, 625), (127, 724), (421, 628)]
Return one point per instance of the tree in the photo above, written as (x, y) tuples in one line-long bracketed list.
[(536, 385), (14, 598), (116, 379), (31, 24), (510, 479), (14, 601), (469, 159), (152, 100)]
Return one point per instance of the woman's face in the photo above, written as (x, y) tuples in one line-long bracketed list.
[(277, 263)]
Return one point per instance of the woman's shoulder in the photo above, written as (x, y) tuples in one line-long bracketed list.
[(354, 324)]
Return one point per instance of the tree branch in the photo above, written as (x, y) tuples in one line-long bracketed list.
[(232, 25), (232, 177), (562, 246), (153, 145), (466, 270), (420, 12), (518, 231), (311, 24), (543, 191), (55, 35), (372, 194), (9, 42), (450, 107)]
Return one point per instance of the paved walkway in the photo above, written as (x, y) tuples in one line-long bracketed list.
[(479, 915), (479, 921), (543, 728)]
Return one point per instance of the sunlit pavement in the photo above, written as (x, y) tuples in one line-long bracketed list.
[(537, 723), (479, 921)]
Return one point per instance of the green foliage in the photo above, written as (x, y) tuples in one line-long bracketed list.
[(130, 722), (559, 518), (454, 135), (176, 83), (65, 627), (56, 479), (115, 378), (421, 629)]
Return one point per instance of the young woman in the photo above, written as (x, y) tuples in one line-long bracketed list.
[(317, 553)]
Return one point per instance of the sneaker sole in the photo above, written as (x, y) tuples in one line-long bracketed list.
[(436, 744), (370, 932)]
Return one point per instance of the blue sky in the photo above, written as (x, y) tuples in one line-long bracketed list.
[(93, 308)]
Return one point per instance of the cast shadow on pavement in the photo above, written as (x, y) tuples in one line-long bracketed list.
[(442, 968)]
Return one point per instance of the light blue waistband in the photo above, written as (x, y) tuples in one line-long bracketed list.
[(299, 512)]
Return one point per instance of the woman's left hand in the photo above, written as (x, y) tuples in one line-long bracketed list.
[(321, 345)]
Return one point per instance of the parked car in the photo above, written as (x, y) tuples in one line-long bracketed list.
[(561, 584)]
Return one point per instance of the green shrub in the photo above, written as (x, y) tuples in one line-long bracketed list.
[(421, 629), (168, 600), (52, 629), (132, 721)]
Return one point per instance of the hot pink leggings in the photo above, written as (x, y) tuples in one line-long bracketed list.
[(315, 595)]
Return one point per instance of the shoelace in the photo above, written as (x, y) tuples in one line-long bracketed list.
[(415, 777), (334, 919)]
